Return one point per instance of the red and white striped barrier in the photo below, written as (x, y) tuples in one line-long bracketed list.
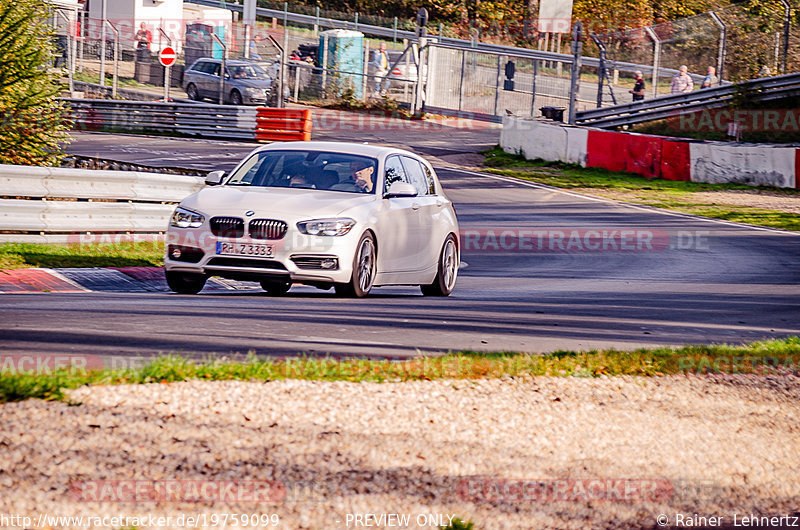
[(653, 156)]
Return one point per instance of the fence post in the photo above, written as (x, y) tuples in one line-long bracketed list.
[(787, 20), (575, 77), (533, 86), (82, 22), (461, 84), (356, 21), (316, 22), (723, 31), (221, 68), (324, 63), (365, 71), (497, 82), (103, 45), (656, 57)]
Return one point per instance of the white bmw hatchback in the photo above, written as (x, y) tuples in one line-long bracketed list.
[(327, 214)]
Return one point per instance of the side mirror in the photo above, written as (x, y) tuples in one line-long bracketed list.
[(401, 189), (215, 178)]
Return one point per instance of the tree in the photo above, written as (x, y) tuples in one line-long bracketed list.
[(32, 124)]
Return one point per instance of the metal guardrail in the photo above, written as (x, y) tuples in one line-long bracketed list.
[(127, 93), (763, 89), (86, 201), (190, 119)]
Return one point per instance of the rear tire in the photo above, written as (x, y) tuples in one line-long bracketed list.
[(186, 282), (364, 269), (447, 272), (192, 92), (276, 288)]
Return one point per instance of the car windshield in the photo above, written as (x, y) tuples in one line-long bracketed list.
[(249, 71), (322, 170)]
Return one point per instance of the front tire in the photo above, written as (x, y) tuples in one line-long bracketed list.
[(364, 269), (445, 280), (236, 98), (185, 282), (276, 288)]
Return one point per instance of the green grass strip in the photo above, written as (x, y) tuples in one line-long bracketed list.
[(768, 357), (115, 254), (659, 193)]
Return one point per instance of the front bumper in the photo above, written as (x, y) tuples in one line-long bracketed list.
[(296, 257)]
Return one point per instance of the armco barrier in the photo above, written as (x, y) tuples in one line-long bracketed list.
[(129, 202), (200, 120), (653, 156), (283, 125)]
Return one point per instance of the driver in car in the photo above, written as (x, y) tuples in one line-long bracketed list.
[(360, 178)]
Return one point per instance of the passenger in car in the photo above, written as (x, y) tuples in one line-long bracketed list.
[(327, 179)]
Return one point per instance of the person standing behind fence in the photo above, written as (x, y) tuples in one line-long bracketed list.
[(381, 62), (682, 82), (143, 40), (638, 87), (710, 79)]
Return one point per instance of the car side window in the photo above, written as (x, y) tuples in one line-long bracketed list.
[(416, 176), (215, 71), (394, 172), (206, 68), (198, 67)]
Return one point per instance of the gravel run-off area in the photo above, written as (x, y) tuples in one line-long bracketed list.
[(714, 445)]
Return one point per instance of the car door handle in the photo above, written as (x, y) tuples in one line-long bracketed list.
[(415, 206)]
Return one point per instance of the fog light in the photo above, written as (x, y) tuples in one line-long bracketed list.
[(328, 263), (176, 253)]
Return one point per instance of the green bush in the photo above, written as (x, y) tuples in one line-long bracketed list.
[(31, 119)]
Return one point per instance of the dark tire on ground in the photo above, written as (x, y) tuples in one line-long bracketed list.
[(364, 269), (185, 282), (276, 288), (447, 271), (236, 98), (192, 92)]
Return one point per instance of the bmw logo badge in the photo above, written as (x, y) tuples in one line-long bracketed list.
[(249, 213)]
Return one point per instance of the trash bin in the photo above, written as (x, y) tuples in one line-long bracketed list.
[(553, 113)]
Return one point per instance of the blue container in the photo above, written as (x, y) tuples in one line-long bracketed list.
[(346, 54)]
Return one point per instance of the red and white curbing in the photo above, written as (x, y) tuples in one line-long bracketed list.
[(653, 156), (108, 279)]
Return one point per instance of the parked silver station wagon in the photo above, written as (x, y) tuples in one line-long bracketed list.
[(246, 83)]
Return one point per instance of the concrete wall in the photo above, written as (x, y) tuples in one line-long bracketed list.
[(653, 156)]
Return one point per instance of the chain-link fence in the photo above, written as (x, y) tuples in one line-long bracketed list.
[(445, 77), (739, 42)]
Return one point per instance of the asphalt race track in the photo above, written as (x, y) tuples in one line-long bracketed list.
[(545, 270)]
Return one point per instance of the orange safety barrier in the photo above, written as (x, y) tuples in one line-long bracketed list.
[(282, 125)]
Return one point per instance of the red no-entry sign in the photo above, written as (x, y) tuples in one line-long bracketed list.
[(167, 56)]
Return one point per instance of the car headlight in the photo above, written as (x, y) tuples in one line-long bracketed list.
[(183, 218), (326, 227), (254, 91)]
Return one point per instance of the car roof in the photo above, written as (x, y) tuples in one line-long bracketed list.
[(228, 62), (350, 148)]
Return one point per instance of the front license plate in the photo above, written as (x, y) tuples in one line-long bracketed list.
[(244, 249)]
